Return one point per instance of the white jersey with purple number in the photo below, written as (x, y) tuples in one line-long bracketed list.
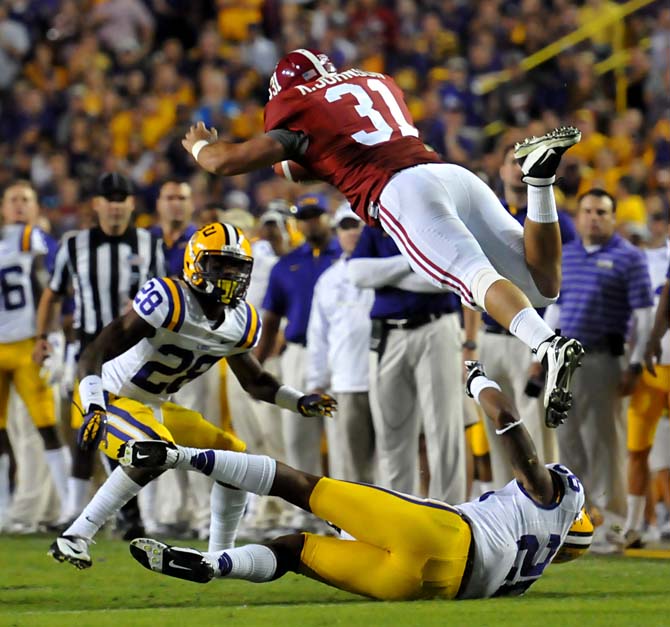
[(515, 537), (185, 345), (19, 246)]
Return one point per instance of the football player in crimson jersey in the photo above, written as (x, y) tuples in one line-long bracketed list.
[(352, 129), (398, 547)]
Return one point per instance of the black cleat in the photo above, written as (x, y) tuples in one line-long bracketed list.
[(188, 564), (540, 156)]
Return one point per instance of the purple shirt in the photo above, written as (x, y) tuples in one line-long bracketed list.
[(174, 254), (600, 290), (394, 303), (291, 286)]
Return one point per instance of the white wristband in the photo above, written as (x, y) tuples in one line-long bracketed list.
[(91, 393), (197, 147), (481, 383), (288, 397), (506, 428)]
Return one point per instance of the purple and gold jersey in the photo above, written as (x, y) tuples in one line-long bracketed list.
[(186, 343), (515, 537)]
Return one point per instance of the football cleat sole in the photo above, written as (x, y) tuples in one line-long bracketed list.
[(187, 564), (559, 400), (562, 137)]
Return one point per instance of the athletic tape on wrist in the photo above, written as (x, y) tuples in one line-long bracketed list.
[(197, 147), (91, 392), (288, 397), (481, 383)]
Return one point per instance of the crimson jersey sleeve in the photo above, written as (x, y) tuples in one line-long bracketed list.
[(359, 129)]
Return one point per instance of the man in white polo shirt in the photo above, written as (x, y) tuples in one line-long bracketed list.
[(338, 337)]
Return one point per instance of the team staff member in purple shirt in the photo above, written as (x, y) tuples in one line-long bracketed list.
[(605, 285), (289, 295)]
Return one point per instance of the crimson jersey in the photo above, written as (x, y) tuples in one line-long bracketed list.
[(359, 129)]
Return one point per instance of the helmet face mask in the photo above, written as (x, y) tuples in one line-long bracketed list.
[(218, 263), (578, 540), (225, 276)]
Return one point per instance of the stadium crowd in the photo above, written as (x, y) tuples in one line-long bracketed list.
[(102, 86)]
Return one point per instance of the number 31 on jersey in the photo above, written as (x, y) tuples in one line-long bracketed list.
[(365, 108)]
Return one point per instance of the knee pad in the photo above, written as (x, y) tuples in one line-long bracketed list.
[(481, 283)]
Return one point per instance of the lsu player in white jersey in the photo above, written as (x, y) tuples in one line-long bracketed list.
[(175, 331), (22, 255), (398, 547)]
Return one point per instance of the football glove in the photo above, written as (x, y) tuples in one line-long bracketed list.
[(313, 405), (94, 429), (474, 369)]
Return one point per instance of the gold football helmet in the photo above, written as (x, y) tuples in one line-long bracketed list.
[(578, 540), (218, 262)]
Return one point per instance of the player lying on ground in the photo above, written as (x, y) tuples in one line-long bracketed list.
[(175, 331), (403, 547), (353, 130)]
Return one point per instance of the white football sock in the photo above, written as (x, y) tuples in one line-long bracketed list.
[(147, 499), (542, 204), (530, 328), (5, 495), (635, 512), (253, 473), (112, 495), (227, 509), (59, 461), (253, 562), (77, 496)]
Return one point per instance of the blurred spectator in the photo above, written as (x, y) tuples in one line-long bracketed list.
[(14, 43)]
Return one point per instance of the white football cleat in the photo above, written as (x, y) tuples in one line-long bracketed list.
[(73, 549), (173, 561), (148, 454), (540, 156), (560, 356)]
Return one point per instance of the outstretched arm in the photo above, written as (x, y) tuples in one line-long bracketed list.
[(528, 469), (226, 158), (264, 387)]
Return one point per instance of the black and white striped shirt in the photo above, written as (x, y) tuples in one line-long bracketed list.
[(105, 272)]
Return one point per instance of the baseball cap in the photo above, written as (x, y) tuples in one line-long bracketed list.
[(311, 206), (344, 217), (272, 215), (114, 186)]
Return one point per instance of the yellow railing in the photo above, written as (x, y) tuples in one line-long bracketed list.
[(616, 62)]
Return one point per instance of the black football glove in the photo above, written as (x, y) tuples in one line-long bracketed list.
[(94, 429), (474, 369), (313, 405)]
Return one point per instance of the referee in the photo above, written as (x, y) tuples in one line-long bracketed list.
[(105, 266)]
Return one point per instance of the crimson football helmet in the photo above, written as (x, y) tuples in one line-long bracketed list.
[(299, 67)]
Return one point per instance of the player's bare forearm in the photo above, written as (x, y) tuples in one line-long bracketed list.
[(229, 159), (45, 311), (528, 469), (268, 337), (115, 339), (255, 380)]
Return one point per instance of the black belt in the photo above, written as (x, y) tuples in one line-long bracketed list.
[(497, 331), (413, 322)]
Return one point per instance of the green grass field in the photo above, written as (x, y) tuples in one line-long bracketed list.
[(37, 591)]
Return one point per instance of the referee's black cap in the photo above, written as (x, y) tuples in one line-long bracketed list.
[(115, 186)]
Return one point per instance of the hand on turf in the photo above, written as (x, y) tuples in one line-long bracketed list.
[(313, 405)]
